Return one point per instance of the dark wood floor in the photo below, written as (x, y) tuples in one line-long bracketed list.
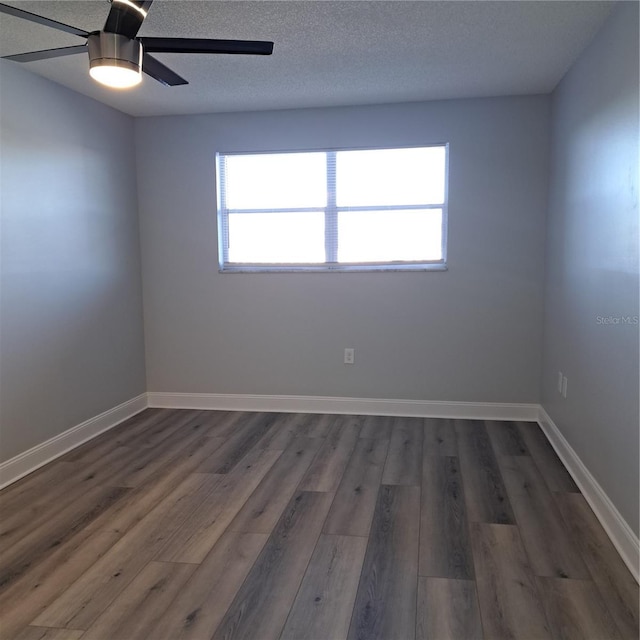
[(202, 524)]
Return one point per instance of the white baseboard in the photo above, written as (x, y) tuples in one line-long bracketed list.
[(346, 406), (620, 533), (28, 461)]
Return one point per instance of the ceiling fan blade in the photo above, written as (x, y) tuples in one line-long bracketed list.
[(46, 54), (126, 16), (159, 72), (143, 4), (47, 22), (204, 45)]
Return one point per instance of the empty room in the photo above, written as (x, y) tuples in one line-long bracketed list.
[(319, 320)]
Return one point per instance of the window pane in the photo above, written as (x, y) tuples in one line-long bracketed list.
[(276, 237), (273, 181), (390, 177), (385, 236)]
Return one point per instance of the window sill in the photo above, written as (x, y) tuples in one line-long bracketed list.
[(417, 267)]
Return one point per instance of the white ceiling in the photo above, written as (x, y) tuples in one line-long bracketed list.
[(327, 53)]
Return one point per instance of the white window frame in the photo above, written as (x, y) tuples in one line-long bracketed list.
[(331, 220)]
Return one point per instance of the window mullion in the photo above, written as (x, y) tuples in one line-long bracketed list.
[(331, 212)]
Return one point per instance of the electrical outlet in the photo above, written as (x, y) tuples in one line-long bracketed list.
[(564, 386), (349, 356), (560, 376)]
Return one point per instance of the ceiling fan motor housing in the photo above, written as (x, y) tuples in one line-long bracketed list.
[(114, 50)]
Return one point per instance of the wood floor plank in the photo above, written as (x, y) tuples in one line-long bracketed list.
[(287, 426), (269, 590), (327, 468), (296, 425), (246, 434), (314, 425), (136, 503), (78, 606), (510, 605), (30, 595), (66, 491), (101, 471), (445, 549), (575, 609), (64, 564), (323, 606), (136, 608), (377, 427), (161, 455), (447, 610), (173, 420), (202, 602), (263, 508), (196, 537), (386, 601), (120, 466), (144, 430), (141, 500), (17, 559), (118, 436), (615, 583), (280, 434), (554, 472), (45, 633), (404, 460), (48, 505), (221, 424), (28, 489), (485, 494), (506, 438), (546, 539), (352, 509), (439, 437)]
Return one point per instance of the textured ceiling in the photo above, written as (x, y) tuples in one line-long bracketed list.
[(327, 53)]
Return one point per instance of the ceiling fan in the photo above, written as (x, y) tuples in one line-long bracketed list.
[(117, 57)]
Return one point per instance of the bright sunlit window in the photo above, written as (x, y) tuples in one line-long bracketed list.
[(333, 210)]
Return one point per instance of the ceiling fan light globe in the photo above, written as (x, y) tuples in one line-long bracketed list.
[(115, 60), (112, 75)]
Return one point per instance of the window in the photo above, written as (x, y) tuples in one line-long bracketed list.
[(333, 210)]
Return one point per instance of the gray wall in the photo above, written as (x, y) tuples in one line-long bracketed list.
[(472, 333), (592, 260), (71, 333)]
